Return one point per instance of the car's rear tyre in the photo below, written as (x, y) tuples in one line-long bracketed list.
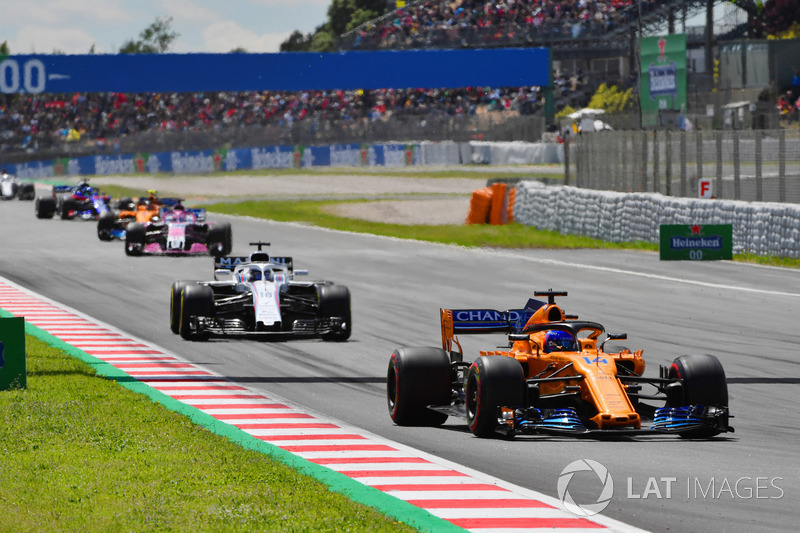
[(176, 292), (68, 208), (416, 378), (126, 204), (45, 207), (704, 383), (196, 301), (135, 234), (219, 239), (334, 302), (105, 224), (492, 382), (26, 192)]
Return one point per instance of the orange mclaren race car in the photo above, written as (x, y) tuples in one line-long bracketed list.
[(557, 375), (111, 224)]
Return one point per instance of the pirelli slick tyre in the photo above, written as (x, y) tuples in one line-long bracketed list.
[(135, 235), (105, 224), (45, 207), (26, 192), (219, 240), (175, 295), (492, 382), (196, 301), (334, 302), (418, 377), (703, 379), (68, 208), (703, 383)]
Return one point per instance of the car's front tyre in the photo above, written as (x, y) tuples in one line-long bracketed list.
[(703, 383), (492, 382), (175, 295), (196, 301), (105, 224), (334, 302), (135, 235)]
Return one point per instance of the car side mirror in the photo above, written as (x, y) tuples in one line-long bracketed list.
[(303, 272), (223, 274), (613, 337)]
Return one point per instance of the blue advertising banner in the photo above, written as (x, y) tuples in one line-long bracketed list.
[(288, 71), (223, 160)]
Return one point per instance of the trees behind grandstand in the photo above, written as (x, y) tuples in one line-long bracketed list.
[(343, 16), (154, 39)]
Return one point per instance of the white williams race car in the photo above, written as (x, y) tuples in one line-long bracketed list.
[(11, 187), (257, 295)]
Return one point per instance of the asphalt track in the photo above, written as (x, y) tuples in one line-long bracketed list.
[(746, 315)]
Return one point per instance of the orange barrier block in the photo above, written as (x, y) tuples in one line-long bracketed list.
[(512, 198), (479, 206), (499, 210)]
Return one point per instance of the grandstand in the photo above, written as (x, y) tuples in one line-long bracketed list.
[(592, 42)]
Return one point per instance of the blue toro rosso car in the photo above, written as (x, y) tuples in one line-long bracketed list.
[(82, 202)]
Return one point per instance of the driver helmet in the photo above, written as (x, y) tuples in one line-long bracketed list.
[(254, 274), (179, 207), (559, 341)]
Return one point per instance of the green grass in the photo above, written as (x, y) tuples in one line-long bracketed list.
[(476, 235), (506, 236), (79, 452)]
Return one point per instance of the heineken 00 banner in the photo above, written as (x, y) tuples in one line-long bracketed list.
[(663, 80), (695, 242)]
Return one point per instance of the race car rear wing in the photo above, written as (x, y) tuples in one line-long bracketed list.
[(63, 189), (481, 321), (230, 262)]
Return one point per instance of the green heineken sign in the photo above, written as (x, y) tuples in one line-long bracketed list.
[(681, 242), (13, 374), (663, 78)]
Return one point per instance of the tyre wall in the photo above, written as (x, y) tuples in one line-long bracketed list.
[(761, 228)]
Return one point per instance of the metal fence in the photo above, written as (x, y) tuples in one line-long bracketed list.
[(756, 165)]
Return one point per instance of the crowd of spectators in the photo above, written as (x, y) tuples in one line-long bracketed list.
[(434, 23), (31, 122), (788, 106)]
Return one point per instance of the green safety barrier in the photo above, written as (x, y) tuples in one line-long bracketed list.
[(13, 372), (695, 242)]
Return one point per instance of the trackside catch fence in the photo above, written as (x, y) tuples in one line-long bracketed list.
[(752, 165)]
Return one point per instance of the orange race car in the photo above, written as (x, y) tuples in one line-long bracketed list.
[(556, 376), (112, 224)]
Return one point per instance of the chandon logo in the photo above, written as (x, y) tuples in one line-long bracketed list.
[(586, 509)]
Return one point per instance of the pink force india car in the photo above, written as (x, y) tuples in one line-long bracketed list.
[(179, 231)]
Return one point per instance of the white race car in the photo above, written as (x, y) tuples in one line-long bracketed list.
[(257, 295), (11, 187)]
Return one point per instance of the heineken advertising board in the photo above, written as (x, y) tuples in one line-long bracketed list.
[(663, 79), (680, 242), (13, 373)]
